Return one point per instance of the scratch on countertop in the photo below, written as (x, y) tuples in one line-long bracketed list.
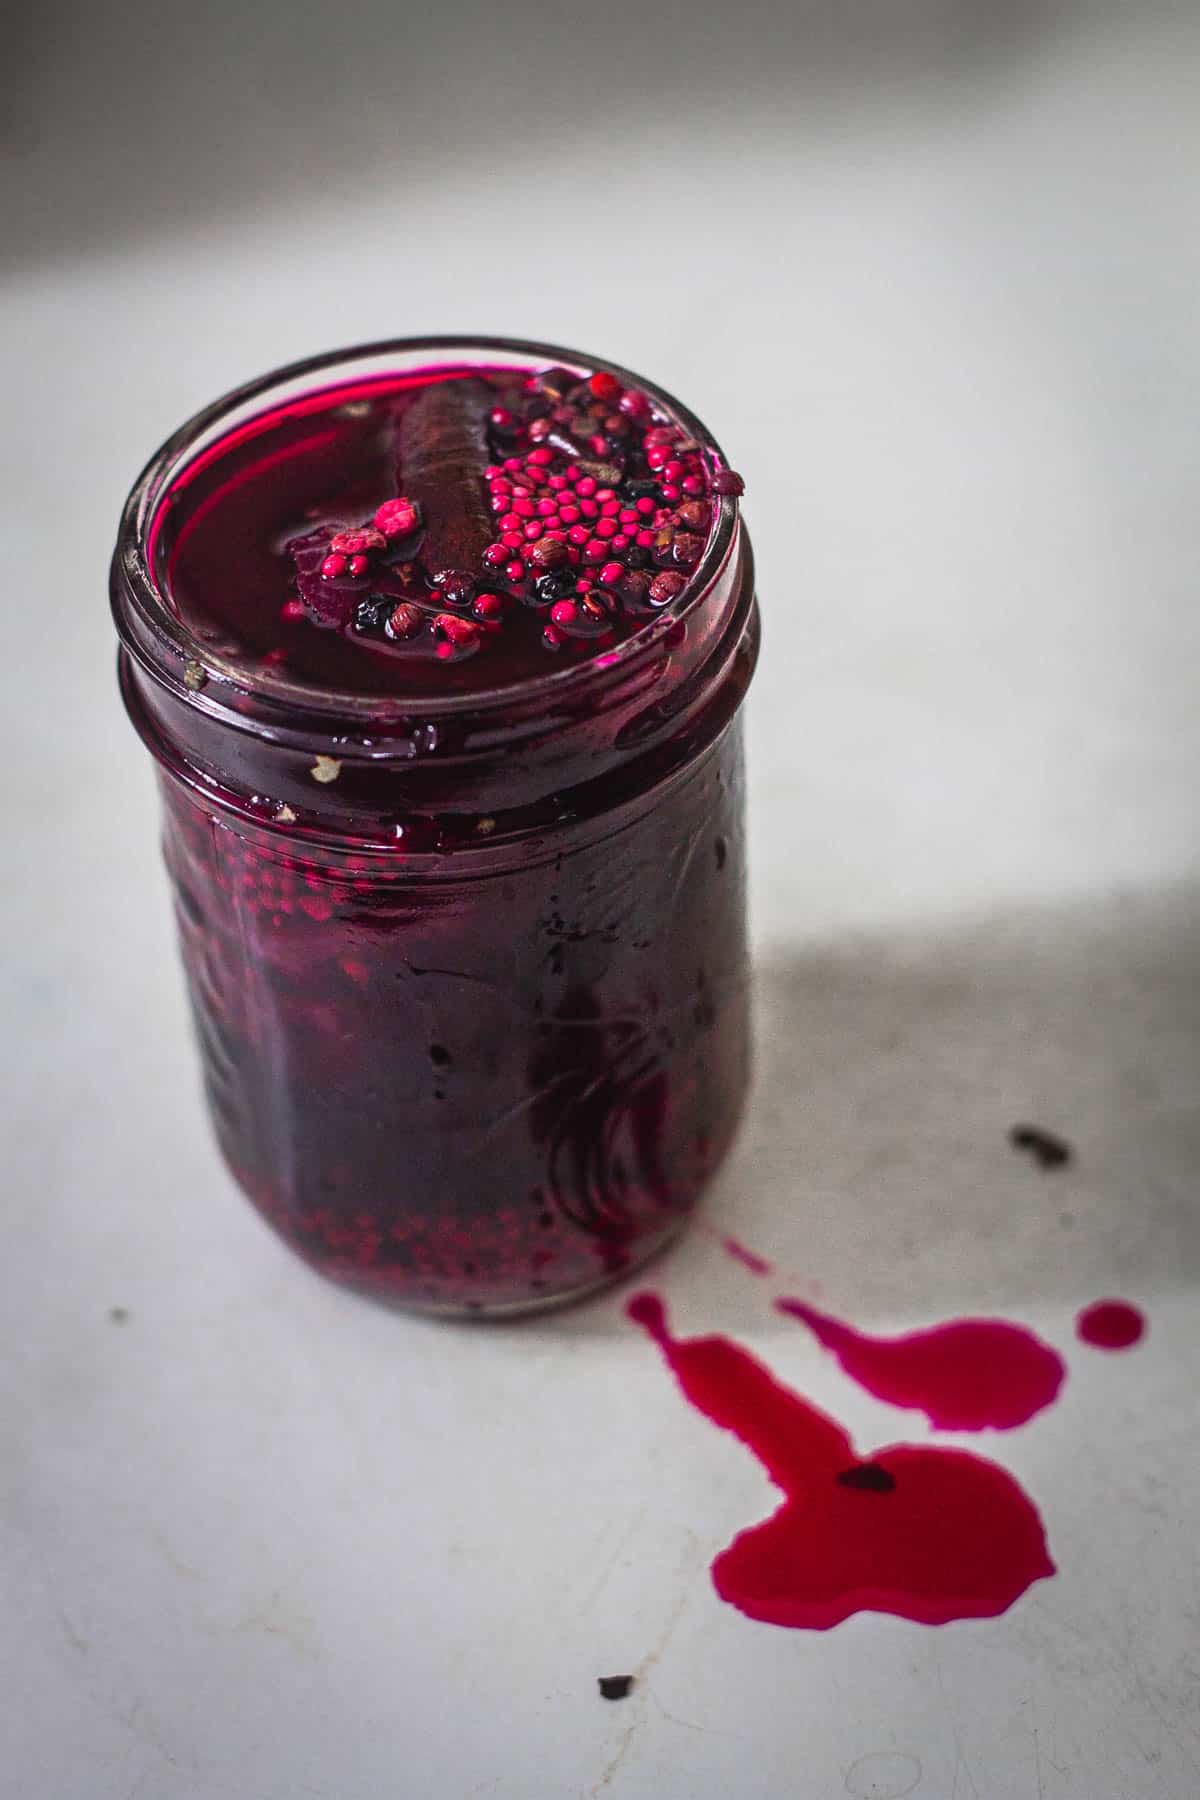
[(180, 1568), (690, 1724), (590, 1598), (640, 1692), (78, 1643), (960, 1759), (276, 1621)]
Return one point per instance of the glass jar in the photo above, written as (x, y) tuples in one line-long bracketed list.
[(468, 971)]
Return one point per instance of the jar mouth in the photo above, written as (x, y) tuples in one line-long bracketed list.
[(153, 631)]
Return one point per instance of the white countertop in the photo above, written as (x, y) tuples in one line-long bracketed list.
[(262, 1541)]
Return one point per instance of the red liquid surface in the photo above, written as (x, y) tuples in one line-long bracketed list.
[(244, 538), (965, 1375), (925, 1533), (1111, 1325)]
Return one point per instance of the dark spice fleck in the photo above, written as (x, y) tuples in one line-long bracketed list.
[(614, 1687), (405, 620), (457, 586), (556, 584), (728, 481), (118, 1315), (1048, 1151), (868, 1477), (558, 382), (372, 614), (607, 473), (664, 588), (548, 553), (687, 548)]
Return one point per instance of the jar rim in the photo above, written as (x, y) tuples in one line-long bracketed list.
[(154, 632)]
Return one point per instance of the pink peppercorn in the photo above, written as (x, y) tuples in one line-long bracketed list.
[(564, 612), (513, 465), (669, 491), (515, 571), (546, 506), (354, 543), (397, 518), (488, 606), (524, 509), (645, 538), (359, 565), (609, 509), (495, 555), (462, 633), (620, 542), (513, 539), (533, 530), (589, 509), (501, 418), (674, 470), (333, 566), (558, 481), (604, 386), (728, 481), (665, 587), (598, 445), (595, 550), (292, 610), (510, 521), (692, 484), (611, 573), (586, 487), (568, 514), (551, 638), (645, 506), (606, 528), (540, 457), (627, 516), (578, 534)]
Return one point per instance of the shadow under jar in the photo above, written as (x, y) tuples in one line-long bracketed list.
[(459, 872)]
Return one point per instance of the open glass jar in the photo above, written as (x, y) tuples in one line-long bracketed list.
[(467, 967)]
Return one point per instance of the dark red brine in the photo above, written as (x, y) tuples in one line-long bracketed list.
[(923, 1531), (1111, 1325), (440, 649)]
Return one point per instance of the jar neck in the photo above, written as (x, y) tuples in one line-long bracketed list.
[(516, 761)]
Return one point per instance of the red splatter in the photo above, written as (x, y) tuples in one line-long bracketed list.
[(932, 1535), (749, 1259), (1111, 1325), (966, 1375)]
